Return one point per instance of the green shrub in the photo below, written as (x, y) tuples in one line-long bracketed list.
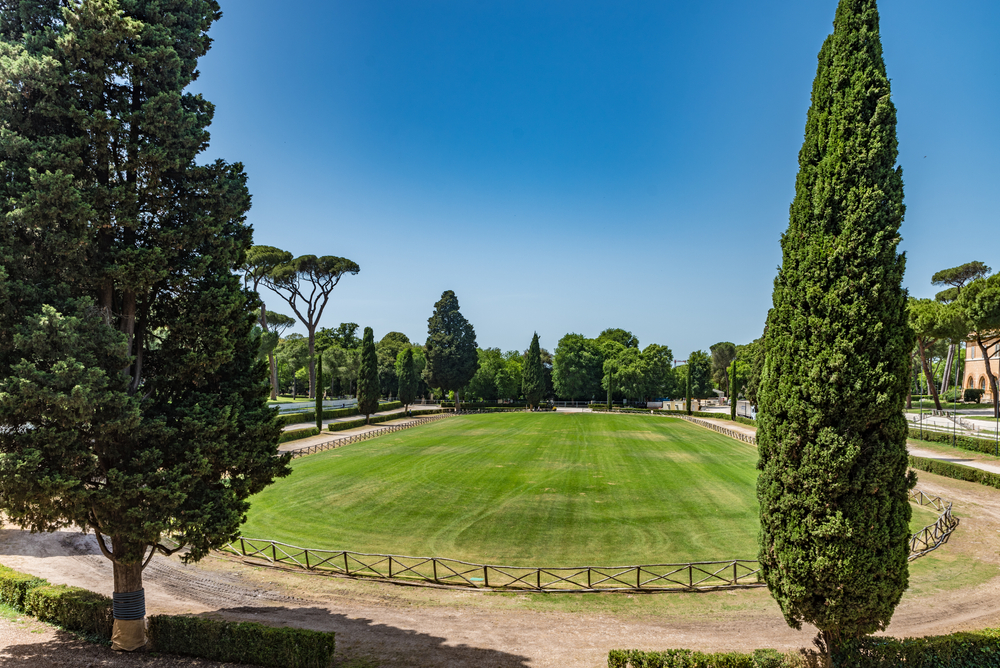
[(331, 414), (745, 420), (955, 471), (296, 434), (375, 419), (241, 642), (964, 442), (973, 395), (980, 649), (14, 586), (72, 608), (685, 658)]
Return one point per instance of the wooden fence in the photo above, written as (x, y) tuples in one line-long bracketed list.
[(355, 438), (725, 431), (932, 536), (695, 576)]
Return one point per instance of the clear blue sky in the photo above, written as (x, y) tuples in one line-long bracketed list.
[(572, 166)]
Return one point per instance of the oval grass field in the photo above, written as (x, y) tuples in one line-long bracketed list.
[(523, 489)]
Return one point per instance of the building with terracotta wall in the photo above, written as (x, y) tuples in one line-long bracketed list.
[(975, 367)]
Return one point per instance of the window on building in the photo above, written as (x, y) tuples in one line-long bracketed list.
[(982, 384), (971, 384), (972, 353)]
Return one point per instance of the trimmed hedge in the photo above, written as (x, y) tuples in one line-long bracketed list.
[(72, 608), (964, 442), (296, 434), (685, 658), (973, 395), (241, 642), (955, 471), (980, 649), (352, 424), (14, 586)]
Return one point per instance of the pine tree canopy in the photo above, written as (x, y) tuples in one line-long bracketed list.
[(132, 402), (832, 435), (452, 360)]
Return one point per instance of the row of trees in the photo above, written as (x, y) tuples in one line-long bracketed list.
[(968, 309)]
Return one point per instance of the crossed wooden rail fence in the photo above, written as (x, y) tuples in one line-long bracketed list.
[(695, 576), (725, 431), (355, 438)]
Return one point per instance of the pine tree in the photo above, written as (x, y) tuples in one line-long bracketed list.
[(368, 387), (407, 373), (832, 436), (532, 382), (132, 402), (452, 359)]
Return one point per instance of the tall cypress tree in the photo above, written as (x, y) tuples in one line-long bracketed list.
[(832, 437), (532, 381), (319, 392), (452, 359), (406, 371), (132, 403), (368, 386)]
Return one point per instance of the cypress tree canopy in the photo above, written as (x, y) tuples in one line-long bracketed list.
[(532, 382), (832, 435), (132, 402), (452, 360), (368, 386)]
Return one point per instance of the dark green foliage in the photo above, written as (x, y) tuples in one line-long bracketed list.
[(980, 304), (956, 471), (973, 395), (578, 367), (956, 278), (832, 435), (687, 389), (407, 374), (733, 399), (241, 642), (72, 608), (132, 401), (368, 386), (299, 434), (723, 354), (14, 586), (755, 356), (387, 350), (532, 382), (978, 649), (685, 658), (332, 413), (700, 373), (617, 335), (452, 360), (987, 446)]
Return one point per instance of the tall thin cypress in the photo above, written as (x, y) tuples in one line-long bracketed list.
[(832, 436), (687, 389), (368, 386), (532, 381), (319, 392), (733, 390)]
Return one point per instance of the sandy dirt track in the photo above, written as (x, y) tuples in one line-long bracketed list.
[(381, 624)]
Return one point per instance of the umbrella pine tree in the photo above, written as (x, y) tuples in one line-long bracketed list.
[(832, 438)]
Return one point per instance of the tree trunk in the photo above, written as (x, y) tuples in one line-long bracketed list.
[(945, 383), (312, 362), (927, 374), (129, 631), (458, 401), (274, 376)]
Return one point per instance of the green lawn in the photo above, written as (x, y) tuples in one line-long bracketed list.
[(523, 489)]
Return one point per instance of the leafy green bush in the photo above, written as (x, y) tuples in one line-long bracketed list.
[(15, 585), (955, 471), (973, 395), (71, 607), (241, 642), (745, 420), (980, 649), (296, 434), (685, 658), (964, 442)]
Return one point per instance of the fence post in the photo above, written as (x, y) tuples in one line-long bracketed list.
[(538, 579), (589, 586), (434, 564), (690, 576), (274, 552), (307, 560), (486, 577), (347, 568), (735, 577), (390, 566), (638, 577), (243, 547)]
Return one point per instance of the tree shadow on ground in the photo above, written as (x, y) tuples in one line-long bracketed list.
[(362, 642)]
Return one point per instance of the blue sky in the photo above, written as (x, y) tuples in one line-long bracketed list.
[(572, 166)]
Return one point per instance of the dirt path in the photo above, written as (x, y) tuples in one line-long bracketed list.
[(397, 625)]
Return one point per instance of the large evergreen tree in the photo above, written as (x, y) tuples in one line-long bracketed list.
[(532, 382), (368, 386), (132, 402), (407, 373), (832, 436), (452, 360)]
